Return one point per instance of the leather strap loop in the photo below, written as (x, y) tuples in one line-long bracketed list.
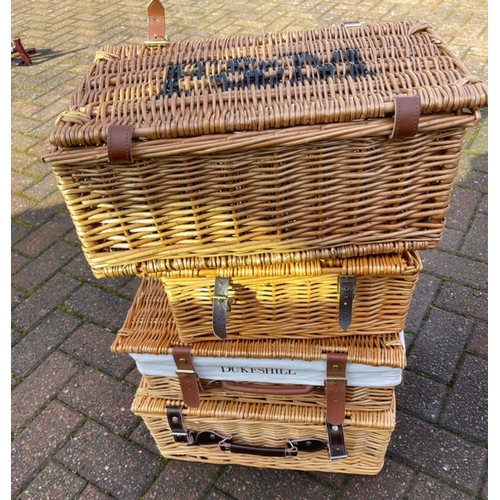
[(176, 424), (336, 443), (119, 144), (188, 379), (220, 307), (346, 293), (335, 384), (406, 116), (156, 23)]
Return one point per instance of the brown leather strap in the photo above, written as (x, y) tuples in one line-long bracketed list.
[(119, 144), (220, 307), (335, 384), (336, 443), (346, 297), (156, 23), (188, 379), (406, 116), (280, 389), (176, 423)]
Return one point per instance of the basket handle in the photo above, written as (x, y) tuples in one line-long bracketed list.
[(335, 445), (280, 390), (292, 448)]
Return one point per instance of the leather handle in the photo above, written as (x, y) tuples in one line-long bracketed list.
[(280, 390), (257, 450), (294, 446)]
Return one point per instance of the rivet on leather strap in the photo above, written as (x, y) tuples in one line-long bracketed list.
[(406, 116), (220, 307), (119, 144), (346, 294)]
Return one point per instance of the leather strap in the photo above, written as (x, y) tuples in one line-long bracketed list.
[(119, 144), (156, 23), (176, 424), (346, 292), (335, 385), (406, 116), (336, 443), (188, 378), (220, 307)]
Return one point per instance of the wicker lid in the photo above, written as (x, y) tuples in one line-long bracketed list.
[(254, 83)]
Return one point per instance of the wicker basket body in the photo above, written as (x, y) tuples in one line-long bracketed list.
[(298, 300), (267, 149), (374, 362), (366, 433)]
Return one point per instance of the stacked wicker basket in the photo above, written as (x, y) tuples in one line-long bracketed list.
[(273, 193)]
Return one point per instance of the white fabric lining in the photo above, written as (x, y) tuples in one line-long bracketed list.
[(275, 371)]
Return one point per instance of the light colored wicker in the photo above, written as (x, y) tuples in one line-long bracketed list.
[(149, 328), (356, 399), (267, 173), (297, 300), (367, 434)]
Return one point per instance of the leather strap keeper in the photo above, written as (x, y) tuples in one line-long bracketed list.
[(119, 144), (406, 116), (156, 23), (346, 297), (188, 379), (220, 307)]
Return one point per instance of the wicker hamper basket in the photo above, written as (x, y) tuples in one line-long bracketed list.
[(267, 435), (264, 150), (358, 295), (278, 371)]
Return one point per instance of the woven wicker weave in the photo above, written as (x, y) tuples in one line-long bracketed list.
[(298, 300), (367, 434), (149, 328), (272, 148), (357, 398)]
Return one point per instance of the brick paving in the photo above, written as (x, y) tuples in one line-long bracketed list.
[(73, 435)]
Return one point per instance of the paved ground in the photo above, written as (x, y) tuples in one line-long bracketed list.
[(73, 435)]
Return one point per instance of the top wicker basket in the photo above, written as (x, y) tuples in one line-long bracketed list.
[(264, 149)]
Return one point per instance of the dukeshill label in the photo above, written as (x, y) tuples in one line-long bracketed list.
[(262, 371)]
